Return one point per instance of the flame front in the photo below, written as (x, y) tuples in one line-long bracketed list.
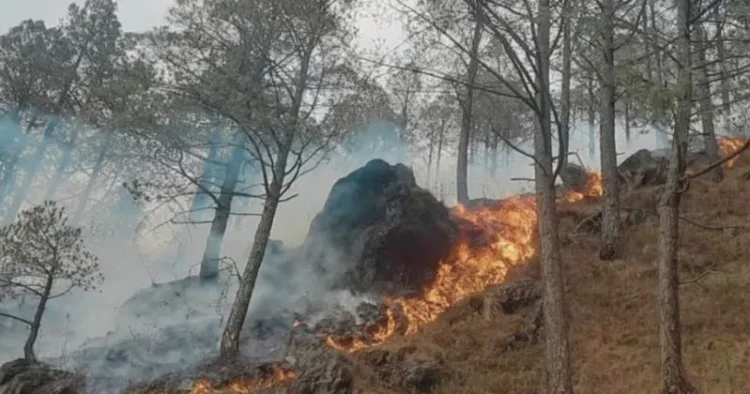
[(593, 189), (245, 385), (728, 146), (508, 228)]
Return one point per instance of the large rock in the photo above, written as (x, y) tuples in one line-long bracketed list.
[(29, 377), (574, 177), (379, 232), (643, 168), (649, 168)]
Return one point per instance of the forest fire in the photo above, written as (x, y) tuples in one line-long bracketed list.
[(508, 229), (274, 376), (728, 146), (593, 189), (506, 239)]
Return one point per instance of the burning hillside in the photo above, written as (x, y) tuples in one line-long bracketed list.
[(411, 262)]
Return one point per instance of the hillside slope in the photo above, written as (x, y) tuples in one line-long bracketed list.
[(613, 315)]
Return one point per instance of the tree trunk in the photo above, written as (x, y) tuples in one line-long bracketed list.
[(209, 270), (723, 73), (628, 131), (230, 340), (429, 157), (65, 162), (703, 87), (36, 324), (647, 46), (557, 352), (609, 247), (567, 60), (439, 156), (493, 157), (673, 376), (591, 116), (12, 147), (462, 176), (34, 165), (84, 198)]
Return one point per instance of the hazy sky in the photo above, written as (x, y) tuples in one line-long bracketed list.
[(140, 15), (135, 15)]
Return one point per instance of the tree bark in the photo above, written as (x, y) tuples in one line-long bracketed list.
[(35, 164), (439, 156), (557, 352), (84, 198), (610, 234), (230, 340), (673, 376), (723, 72), (209, 270), (429, 157), (591, 116), (703, 87), (462, 167), (36, 324), (15, 144), (65, 162), (628, 131), (567, 60)]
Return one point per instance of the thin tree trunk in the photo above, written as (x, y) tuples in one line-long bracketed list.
[(439, 155), (98, 166), (723, 73), (703, 87), (462, 176), (493, 158), (628, 135), (230, 340), (429, 158), (65, 162), (13, 146), (591, 116), (34, 165), (557, 352), (610, 234), (567, 60), (209, 270), (646, 37), (28, 347), (673, 376)]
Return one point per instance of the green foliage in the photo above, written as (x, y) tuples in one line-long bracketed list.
[(41, 248)]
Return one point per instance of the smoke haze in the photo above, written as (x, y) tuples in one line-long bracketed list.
[(133, 261)]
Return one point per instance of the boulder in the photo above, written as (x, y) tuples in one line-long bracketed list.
[(643, 168), (30, 377), (380, 233), (649, 167), (574, 177)]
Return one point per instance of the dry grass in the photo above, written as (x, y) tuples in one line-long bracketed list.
[(613, 325)]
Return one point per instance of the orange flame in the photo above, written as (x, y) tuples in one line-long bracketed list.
[(593, 188), (509, 225), (728, 146), (245, 385)]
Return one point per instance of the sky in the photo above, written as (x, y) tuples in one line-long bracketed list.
[(135, 15), (142, 15)]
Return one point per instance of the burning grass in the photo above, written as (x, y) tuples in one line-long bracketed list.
[(613, 315), (614, 334)]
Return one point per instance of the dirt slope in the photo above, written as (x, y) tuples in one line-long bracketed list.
[(613, 316)]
